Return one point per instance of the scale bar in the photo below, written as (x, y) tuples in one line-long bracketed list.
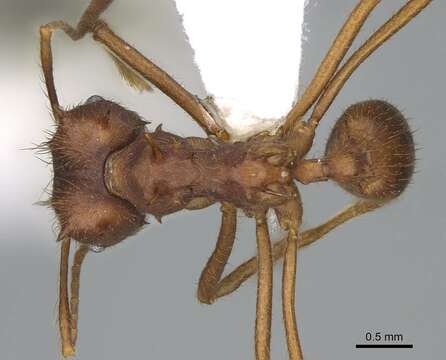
[(384, 346)]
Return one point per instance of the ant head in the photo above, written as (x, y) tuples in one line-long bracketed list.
[(95, 128), (84, 138)]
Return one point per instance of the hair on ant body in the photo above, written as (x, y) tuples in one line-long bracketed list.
[(110, 171)]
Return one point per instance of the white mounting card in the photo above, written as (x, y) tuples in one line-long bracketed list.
[(248, 53)]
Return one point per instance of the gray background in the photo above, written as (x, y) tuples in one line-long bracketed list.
[(382, 272)]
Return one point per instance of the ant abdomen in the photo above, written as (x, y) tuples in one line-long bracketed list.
[(370, 151)]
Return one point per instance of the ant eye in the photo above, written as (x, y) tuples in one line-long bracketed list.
[(93, 99)]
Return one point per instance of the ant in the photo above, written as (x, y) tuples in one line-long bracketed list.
[(109, 170)]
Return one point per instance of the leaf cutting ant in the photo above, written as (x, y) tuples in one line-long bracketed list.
[(109, 170)]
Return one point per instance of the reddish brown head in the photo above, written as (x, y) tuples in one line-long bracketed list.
[(84, 138)]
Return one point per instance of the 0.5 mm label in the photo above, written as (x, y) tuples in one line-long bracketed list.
[(383, 340)]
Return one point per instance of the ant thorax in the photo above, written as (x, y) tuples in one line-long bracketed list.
[(161, 173)]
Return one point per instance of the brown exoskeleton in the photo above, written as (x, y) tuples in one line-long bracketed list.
[(109, 171)]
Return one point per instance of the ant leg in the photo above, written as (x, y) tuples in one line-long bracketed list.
[(211, 274), (264, 290), (79, 257), (289, 215), (46, 57), (392, 26), (158, 77), (135, 61), (243, 272), (85, 24), (89, 18), (331, 61), (64, 309), (288, 295)]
